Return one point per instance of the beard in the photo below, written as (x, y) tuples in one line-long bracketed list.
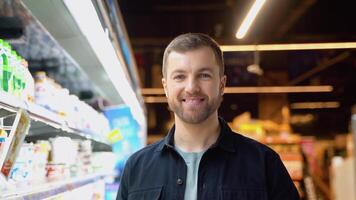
[(195, 115)]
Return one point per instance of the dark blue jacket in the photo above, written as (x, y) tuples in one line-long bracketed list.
[(235, 167)]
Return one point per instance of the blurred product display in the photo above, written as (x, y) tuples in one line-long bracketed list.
[(57, 158), (319, 168), (53, 143), (76, 113)]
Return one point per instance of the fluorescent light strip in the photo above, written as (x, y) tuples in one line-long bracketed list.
[(288, 47), (88, 21), (250, 17), (315, 105), (246, 90)]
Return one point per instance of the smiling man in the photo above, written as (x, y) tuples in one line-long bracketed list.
[(201, 158)]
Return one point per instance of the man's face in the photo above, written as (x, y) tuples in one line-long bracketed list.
[(193, 85)]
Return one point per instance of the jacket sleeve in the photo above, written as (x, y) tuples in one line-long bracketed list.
[(279, 183), (122, 194)]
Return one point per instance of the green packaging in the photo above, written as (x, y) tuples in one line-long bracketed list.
[(1, 63), (6, 70)]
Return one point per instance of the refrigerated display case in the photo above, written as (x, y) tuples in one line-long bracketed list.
[(53, 158)]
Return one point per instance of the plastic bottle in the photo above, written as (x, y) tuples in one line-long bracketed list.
[(14, 79), (28, 83), (1, 62), (6, 67), (21, 79), (42, 94)]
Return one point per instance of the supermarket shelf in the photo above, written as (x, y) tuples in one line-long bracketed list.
[(52, 188), (277, 140), (9, 104), (43, 120)]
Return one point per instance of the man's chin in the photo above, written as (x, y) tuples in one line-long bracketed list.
[(191, 119)]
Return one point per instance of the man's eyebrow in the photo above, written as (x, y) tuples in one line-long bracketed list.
[(178, 71), (205, 69)]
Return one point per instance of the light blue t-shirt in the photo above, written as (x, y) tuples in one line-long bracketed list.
[(192, 160)]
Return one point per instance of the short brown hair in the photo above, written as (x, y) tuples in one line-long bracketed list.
[(192, 41)]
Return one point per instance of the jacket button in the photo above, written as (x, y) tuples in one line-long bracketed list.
[(179, 181)]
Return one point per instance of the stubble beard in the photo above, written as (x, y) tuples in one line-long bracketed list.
[(195, 115)]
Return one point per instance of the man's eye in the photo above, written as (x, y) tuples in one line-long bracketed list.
[(178, 77), (205, 76)]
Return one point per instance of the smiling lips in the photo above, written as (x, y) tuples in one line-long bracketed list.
[(193, 101)]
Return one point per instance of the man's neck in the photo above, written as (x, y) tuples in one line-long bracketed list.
[(196, 137)]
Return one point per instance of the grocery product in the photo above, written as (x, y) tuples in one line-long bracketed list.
[(3, 136), (40, 159), (42, 94), (15, 77), (22, 169), (15, 139), (1, 62), (6, 70), (28, 83), (12, 72), (76, 113)]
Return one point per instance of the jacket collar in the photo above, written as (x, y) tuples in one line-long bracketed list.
[(225, 140)]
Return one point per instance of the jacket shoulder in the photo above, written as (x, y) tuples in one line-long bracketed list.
[(146, 152)]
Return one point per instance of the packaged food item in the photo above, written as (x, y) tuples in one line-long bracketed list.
[(2, 53), (3, 137), (63, 150), (55, 171), (13, 73), (13, 143), (77, 114), (42, 94), (16, 72), (6, 70), (28, 83), (84, 157), (22, 169), (40, 160)]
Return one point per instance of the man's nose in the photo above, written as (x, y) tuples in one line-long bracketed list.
[(192, 86)]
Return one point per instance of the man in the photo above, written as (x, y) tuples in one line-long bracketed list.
[(201, 158)]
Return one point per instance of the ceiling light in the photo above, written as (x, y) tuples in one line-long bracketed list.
[(287, 47), (250, 17)]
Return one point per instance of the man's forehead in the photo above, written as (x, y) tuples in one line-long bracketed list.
[(205, 49), (200, 59)]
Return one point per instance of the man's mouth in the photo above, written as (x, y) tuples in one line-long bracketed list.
[(193, 101)]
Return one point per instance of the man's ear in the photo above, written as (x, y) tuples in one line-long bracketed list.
[(164, 83), (222, 85)]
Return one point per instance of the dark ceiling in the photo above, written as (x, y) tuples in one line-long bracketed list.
[(152, 24)]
